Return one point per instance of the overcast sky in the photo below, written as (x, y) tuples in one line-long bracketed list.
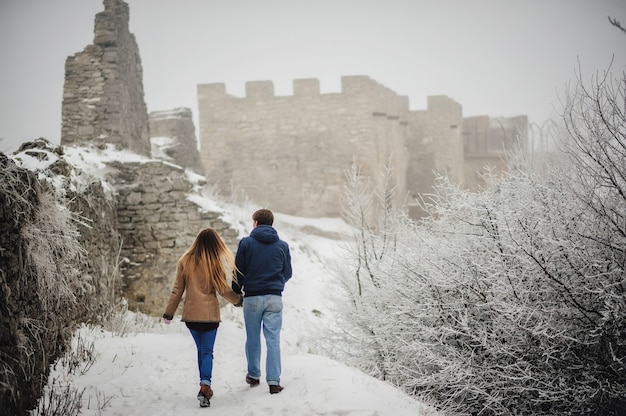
[(495, 57)]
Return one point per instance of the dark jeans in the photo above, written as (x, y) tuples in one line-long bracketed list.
[(205, 340)]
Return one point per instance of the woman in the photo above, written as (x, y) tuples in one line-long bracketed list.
[(200, 272)]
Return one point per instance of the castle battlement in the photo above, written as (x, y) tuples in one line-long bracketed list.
[(297, 147), (353, 85)]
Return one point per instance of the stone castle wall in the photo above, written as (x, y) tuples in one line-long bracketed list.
[(157, 223), (103, 97), (487, 142), (434, 144), (290, 152)]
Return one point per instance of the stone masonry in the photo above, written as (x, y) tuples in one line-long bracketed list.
[(103, 97), (157, 223), (487, 141), (173, 138), (290, 152), (103, 105)]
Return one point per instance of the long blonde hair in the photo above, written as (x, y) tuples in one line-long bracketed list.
[(210, 253)]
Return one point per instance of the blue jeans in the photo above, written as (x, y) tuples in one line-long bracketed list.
[(205, 340), (264, 312)]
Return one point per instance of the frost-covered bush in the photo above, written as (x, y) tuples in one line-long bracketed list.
[(40, 284), (512, 300)]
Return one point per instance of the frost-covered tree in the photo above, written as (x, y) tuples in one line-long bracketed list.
[(374, 218), (512, 300)]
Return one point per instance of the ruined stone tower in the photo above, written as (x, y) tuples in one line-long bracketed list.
[(173, 138), (103, 104), (103, 97)]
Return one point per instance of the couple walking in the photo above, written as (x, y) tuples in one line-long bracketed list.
[(260, 268)]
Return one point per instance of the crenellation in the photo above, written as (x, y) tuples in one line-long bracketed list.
[(259, 89), (357, 84), (297, 138), (306, 87)]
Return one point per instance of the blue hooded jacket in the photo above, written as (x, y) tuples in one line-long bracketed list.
[(264, 263)]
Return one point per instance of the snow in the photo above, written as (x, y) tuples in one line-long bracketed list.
[(144, 367), (93, 160), (160, 144), (156, 374), (151, 368), (170, 114)]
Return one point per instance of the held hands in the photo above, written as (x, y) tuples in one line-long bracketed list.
[(240, 303)]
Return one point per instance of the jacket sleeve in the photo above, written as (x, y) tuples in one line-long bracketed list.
[(287, 271), (240, 263), (177, 293), (231, 295)]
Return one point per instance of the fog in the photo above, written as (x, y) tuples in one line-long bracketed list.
[(493, 57)]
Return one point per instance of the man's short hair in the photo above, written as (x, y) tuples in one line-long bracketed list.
[(263, 217)]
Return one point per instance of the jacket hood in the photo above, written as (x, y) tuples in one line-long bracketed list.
[(264, 234)]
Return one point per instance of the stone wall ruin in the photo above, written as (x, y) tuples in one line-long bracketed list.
[(290, 152), (157, 223), (103, 97), (103, 105), (173, 138)]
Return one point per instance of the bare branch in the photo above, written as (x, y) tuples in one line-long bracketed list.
[(617, 24)]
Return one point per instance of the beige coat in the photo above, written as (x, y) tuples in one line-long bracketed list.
[(201, 303)]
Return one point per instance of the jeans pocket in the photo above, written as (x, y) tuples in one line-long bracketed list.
[(274, 304)]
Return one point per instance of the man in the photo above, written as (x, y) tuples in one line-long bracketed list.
[(264, 265)]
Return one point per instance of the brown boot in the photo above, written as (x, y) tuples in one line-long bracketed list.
[(253, 382), (204, 395), (275, 388)]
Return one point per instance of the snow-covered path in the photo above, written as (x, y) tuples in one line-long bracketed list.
[(156, 374), (151, 369)]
